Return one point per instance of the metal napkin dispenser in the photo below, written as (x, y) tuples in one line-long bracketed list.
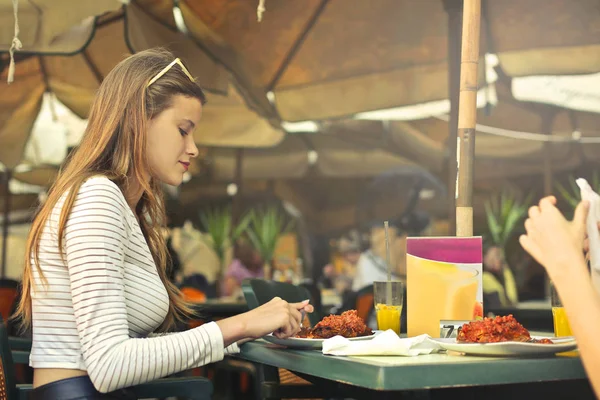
[(449, 327)]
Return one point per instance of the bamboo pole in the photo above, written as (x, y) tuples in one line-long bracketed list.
[(454, 9), (467, 116)]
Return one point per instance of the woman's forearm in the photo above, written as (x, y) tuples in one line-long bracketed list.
[(582, 305)]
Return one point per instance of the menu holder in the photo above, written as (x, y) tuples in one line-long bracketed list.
[(444, 282)]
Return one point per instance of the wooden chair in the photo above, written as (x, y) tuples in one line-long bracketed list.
[(195, 388), (9, 291), (9, 390)]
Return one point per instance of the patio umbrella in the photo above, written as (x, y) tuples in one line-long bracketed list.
[(74, 78), (333, 58), (401, 190), (299, 155)]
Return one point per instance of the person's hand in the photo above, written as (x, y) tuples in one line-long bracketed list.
[(552, 240), (277, 316), (586, 245), (328, 271)]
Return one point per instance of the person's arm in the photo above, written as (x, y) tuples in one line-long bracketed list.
[(557, 244), (582, 304)]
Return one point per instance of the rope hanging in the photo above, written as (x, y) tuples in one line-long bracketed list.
[(260, 10), (15, 45), (576, 136)]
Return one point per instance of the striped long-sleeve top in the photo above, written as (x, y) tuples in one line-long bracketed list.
[(102, 303)]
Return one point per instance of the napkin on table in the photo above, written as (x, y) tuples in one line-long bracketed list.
[(386, 343)]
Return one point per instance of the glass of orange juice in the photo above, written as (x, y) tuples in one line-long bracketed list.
[(389, 300), (559, 316)]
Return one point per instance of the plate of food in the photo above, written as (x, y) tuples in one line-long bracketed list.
[(503, 336), (348, 325)]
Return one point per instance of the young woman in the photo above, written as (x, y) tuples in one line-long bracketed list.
[(557, 244), (94, 285)]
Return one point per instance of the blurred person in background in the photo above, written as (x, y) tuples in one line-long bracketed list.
[(372, 264), (341, 274), (499, 286), (247, 264)]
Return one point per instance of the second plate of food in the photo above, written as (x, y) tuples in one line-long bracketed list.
[(559, 345)]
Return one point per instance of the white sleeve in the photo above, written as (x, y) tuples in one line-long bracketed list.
[(95, 240), (232, 349), (359, 279)]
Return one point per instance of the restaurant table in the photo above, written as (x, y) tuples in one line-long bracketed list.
[(428, 376)]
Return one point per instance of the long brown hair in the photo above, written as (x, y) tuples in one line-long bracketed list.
[(113, 145)]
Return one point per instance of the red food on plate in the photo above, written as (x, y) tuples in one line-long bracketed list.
[(348, 325), (494, 330)]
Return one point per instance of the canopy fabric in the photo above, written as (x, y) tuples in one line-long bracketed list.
[(336, 157), (227, 120), (330, 59), (52, 26)]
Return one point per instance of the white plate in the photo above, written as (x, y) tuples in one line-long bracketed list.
[(510, 348), (303, 343)]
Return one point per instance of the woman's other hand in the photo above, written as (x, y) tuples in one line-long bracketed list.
[(552, 240)]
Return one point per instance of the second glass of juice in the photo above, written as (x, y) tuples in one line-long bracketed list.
[(559, 316), (388, 299)]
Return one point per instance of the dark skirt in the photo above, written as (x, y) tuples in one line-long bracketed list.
[(78, 388)]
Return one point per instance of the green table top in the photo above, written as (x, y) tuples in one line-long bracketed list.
[(412, 373)]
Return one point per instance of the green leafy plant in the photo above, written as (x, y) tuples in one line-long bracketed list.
[(572, 194), (264, 230), (504, 214), (219, 226)]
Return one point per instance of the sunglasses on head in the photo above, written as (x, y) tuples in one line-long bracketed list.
[(167, 68)]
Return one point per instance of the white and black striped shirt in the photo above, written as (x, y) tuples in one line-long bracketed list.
[(102, 303)]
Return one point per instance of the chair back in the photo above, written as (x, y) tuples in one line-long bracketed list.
[(193, 295), (259, 291), (8, 387), (365, 304), (9, 290)]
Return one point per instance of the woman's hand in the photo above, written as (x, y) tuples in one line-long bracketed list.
[(552, 240), (277, 316)]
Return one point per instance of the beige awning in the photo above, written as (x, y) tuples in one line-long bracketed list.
[(333, 157), (336, 58), (74, 79), (52, 26)]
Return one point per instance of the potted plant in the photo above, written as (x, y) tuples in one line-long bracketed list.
[(572, 194), (505, 214), (264, 229), (221, 232)]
